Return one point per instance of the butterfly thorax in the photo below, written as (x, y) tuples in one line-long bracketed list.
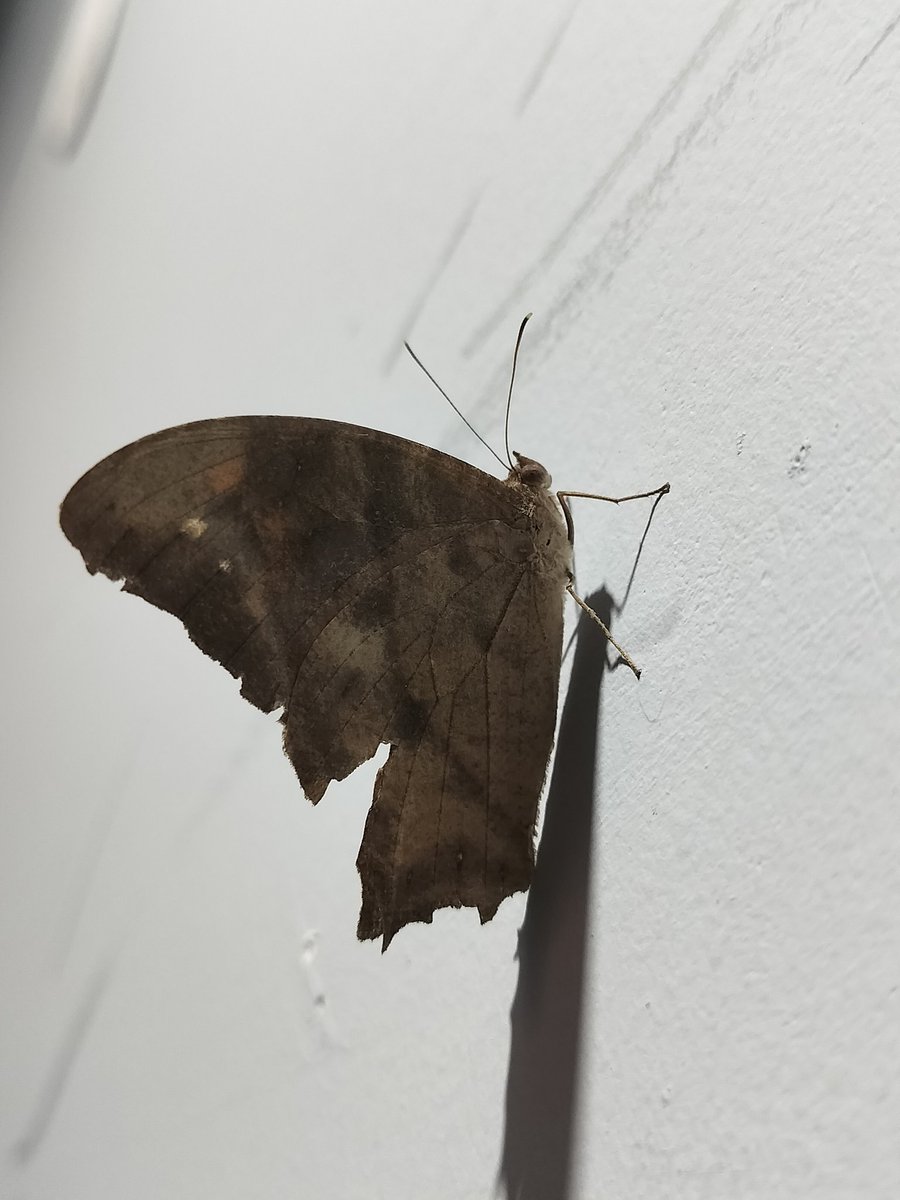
[(551, 549)]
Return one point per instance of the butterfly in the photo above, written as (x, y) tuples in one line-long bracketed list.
[(374, 591)]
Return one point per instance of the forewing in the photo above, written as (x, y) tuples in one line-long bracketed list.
[(377, 591)]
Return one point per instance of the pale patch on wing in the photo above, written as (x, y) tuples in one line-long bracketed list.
[(194, 527)]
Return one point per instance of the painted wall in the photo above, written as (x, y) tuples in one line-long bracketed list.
[(699, 202)]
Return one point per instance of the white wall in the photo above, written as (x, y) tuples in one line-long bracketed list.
[(699, 202)]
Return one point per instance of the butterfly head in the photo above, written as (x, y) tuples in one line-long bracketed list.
[(529, 472)]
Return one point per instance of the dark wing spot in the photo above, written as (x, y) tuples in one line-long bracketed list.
[(409, 720)]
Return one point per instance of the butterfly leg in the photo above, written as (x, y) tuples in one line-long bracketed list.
[(623, 654), (660, 491), (562, 497)]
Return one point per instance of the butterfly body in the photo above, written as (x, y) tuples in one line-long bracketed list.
[(376, 591)]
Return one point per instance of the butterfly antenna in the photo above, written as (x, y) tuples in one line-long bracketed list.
[(512, 379), (461, 415)]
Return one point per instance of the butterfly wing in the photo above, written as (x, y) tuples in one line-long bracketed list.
[(377, 591)]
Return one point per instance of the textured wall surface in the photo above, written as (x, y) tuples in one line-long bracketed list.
[(257, 204)]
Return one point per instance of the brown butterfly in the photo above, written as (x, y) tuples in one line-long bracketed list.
[(376, 591)]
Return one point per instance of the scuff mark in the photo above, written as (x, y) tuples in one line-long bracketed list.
[(610, 176), (62, 1065), (309, 953), (457, 234), (600, 266), (86, 865), (885, 34), (878, 589), (543, 63), (798, 463)]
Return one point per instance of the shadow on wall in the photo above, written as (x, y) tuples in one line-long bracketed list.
[(546, 1017)]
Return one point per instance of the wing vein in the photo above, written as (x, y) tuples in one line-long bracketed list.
[(204, 507), (496, 630), (487, 805), (171, 483), (360, 592)]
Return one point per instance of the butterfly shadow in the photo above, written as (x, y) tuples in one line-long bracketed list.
[(546, 1016)]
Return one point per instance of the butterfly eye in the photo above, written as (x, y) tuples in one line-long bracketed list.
[(531, 473)]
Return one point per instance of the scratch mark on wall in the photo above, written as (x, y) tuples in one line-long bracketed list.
[(225, 784), (878, 589), (797, 465), (309, 954), (457, 234), (602, 187), (87, 864), (778, 525), (543, 63), (885, 34), (600, 266), (62, 1065)]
